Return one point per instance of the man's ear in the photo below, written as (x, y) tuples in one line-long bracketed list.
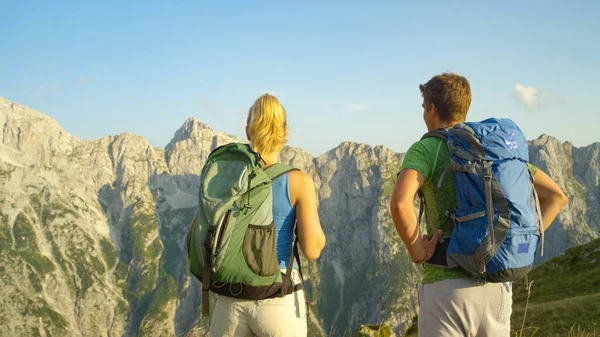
[(433, 108)]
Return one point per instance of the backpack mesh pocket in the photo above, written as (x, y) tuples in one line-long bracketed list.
[(260, 251)]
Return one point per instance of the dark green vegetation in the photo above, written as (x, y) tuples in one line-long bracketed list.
[(149, 280), (19, 249), (565, 293), (375, 330)]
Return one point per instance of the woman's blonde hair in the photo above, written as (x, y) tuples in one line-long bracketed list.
[(267, 124)]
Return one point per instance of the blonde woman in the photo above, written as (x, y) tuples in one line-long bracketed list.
[(294, 199)]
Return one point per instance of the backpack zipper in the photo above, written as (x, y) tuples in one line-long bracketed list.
[(221, 232), (247, 206)]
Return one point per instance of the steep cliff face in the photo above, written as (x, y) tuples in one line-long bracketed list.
[(92, 233), (586, 168), (576, 172), (366, 275), (57, 252)]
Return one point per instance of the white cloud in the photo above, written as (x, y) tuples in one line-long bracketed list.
[(530, 96), (81, 81), (356, 107)]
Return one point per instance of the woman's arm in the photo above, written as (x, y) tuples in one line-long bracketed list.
[(304, 199)]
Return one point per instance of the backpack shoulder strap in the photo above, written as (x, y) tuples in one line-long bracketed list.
[(437, 133), (287, 277), (277, 170)]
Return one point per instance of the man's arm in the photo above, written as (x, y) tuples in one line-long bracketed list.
[(405, 219), (552, 198)]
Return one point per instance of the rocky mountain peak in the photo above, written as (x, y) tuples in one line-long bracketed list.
[(98, 227), (33, 133)]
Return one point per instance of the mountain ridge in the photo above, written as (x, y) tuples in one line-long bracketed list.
[(99, 226)]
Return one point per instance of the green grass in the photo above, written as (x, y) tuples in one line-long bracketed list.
[(121, 271), (35, 202), (147, 280), (166, 290), (40, 263), (85, 277), (556, 318), (413, 331), (54, 323), (374, 330), (122, 306), (141, 225), (34, 280), (149, 288), (108, 250), (152, 303), (24, 234), (154, 249), (26, 250), (6, 239), (84, 264), (389, 183), (565, 292), (87, 266)]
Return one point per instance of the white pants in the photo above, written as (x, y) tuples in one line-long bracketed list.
[(280, 316), (461, 308)]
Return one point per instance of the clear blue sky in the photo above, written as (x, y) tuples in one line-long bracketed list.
[(344, 70)]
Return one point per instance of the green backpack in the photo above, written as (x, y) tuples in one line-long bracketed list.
[(232, 239)]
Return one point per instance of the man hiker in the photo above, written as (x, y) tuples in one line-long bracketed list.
[(453, 299)]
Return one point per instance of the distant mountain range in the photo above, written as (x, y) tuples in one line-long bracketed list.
[(92, 233)]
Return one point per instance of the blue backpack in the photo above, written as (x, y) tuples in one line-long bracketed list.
[(498, 219)]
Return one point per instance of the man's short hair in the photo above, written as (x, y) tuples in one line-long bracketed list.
[(451, 95)]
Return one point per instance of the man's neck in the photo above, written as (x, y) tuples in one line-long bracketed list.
[(443, 125)]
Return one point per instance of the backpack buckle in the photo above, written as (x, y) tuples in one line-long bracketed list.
[(480, 280), (487, 172)]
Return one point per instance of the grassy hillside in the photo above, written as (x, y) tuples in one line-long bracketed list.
[(564, 297)]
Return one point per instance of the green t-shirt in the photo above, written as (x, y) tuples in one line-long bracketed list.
[(431, 157)]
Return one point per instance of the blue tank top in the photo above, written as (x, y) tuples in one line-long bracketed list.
[(284, 216)]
